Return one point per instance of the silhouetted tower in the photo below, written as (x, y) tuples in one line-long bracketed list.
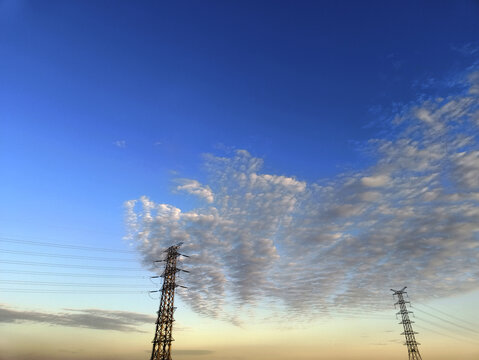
[(164, 323), (411, 343)]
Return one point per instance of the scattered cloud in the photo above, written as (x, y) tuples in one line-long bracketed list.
[(193, 187), (85, 318), (412, 218), (375, 181), (474, 79), (467, 49), (120, 143)]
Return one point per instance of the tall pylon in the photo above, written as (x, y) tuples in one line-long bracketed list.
[(164, 323), (412, 349)]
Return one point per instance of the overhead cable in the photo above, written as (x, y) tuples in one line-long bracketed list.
[(64, 246)]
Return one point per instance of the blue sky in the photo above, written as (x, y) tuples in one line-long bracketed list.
[(294, 84), (103, 102)]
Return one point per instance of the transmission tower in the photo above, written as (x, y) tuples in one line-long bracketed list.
[(164, 322), (411, 343)]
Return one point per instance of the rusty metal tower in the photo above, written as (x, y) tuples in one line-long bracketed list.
[(164, 323), (412, 349)]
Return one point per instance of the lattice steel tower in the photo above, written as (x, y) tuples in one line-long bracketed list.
[(411, 343), (164, 322)]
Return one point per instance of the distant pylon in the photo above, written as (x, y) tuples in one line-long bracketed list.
[(412, 349), (164, 323)]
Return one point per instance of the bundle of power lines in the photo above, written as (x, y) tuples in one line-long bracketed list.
[(25, 261), (26, 275)]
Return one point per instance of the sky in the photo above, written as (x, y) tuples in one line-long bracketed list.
[(309, 155)]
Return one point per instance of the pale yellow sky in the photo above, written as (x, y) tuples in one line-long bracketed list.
[(373, 336)]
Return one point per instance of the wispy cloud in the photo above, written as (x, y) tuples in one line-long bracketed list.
[(410, 219), (467, 49), (120, 143), (85, 318)]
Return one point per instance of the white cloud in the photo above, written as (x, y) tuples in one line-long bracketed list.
[(474, 81), (375, 181), (410, 219), (424, 115), (193, 187), (467, 169), (120, 143)]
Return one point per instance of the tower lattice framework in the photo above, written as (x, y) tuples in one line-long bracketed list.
[(164, 323), (412, 349)]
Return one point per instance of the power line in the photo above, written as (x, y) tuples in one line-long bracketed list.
[(363, 315), (434, 323), (447, 321), (32, 263), (63, 246), (33, 253), (35, 273), (69, 291), (50, 283), (445, 335), (446, 314)]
